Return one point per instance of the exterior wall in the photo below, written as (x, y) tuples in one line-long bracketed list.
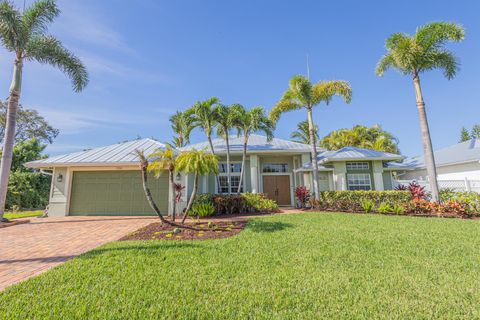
[(377, 175), (387, 181), (339, 176), (469, 170), (59, 191)]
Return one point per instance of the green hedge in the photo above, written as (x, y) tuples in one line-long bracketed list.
[(351, 201), (237, 203)]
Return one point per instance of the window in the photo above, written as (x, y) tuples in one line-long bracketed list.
[(358, 166), (235, 170), (274, 167), (359, 181)]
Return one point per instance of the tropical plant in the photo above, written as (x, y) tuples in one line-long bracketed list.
[(202, 210), (248, 122), (398, 209), (178, 192), (197, 162), (385, 208), (224, 123), (475, 133), (204, 116), (303, 195), (165, 160), (417, 191), (374, 138), (303, 94), (182, 126), (367, 205), (413, 55), (464, 135), (302, 135), (25, 35)]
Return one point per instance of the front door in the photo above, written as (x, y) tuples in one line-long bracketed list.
[(277, 188)]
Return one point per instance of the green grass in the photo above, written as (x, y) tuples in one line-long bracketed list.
[(305, 266), (23, 214)]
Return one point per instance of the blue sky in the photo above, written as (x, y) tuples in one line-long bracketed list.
[(149, 58)]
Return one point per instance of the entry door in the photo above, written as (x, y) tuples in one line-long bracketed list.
[(277, 188)]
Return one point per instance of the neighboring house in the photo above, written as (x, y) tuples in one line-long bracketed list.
[(107, 181), (457, 162)]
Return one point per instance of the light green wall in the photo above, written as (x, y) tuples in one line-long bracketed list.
[(58, 198), (387, 181)]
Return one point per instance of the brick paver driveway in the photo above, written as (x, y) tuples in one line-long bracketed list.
[(29, 249)]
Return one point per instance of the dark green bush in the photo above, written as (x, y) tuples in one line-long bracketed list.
[(352, 200), (237, 203)]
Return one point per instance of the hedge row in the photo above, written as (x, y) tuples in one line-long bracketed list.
[(237, 203)]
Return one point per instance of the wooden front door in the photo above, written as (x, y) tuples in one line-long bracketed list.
[(277, 188)]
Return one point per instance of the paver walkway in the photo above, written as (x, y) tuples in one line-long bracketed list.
[(29, 249)]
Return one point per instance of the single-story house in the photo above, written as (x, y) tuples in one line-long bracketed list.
[(107, 180), (457, 162)]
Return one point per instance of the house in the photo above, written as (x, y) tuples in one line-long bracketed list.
[(457, 162), (107, 181)]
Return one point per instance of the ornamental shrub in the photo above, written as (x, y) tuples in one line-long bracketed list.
[(258, 202), (385, 208), (202, 210), (351, 201), (367, 205), (303, 195), (237, 203)]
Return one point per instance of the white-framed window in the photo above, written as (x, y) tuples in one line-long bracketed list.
[(359, 181), (235, 170), (275, 167), (358, 166)]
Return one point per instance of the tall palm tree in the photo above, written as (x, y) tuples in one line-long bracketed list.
[(303, 94), (224, 123), (182, 126), (413, 55), (248, 122), (25, 35), (302, 134), (165, 160), (199, 163), (205, 117)]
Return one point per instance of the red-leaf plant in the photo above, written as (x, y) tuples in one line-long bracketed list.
[(302, 194)]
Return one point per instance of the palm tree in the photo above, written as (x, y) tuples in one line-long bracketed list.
[(25, 35), (302, 135), (199, 163), (182, 126), (205, 117), (412, 55), (165, 160), (303, 94), (248, 122), (224, 123)]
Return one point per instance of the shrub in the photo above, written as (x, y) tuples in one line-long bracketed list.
[(352, 200), (203, 198), (470, 201), (417, 191), (401, 187), (303, 195), (367, 205), (421, 206), (398, 209), (202, 210), (243, 203), (385, 208), (258, 202)]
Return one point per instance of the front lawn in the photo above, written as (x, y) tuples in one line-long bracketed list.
[(23, 214), (306, 266)]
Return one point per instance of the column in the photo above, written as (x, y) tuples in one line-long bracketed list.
[(253, 173)]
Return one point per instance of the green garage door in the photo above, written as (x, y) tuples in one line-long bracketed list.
[(115, 193)]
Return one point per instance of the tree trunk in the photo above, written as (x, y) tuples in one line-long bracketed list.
[(426, 140), (192, 197), (9, 139), (148, 194), (213, 152), (313, 153), (229, 181), (244, 158), (173, 197)]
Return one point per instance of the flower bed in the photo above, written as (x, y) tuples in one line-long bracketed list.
[(235, 203)]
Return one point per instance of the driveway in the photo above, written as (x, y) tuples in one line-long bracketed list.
[(29, 249)]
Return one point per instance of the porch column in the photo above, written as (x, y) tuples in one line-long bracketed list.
[(378, 175), (307, 182), (253, 173), (340, 175)]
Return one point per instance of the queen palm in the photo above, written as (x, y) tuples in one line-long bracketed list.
[(302, 134), (303, 94), (225, 119), (248, 122), (415, 54), (182, 126), (199, 163), (25, 35), (165, 160)]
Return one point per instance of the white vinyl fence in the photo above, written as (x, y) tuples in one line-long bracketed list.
[(457, 185)]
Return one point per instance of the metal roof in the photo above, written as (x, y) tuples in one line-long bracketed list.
[(116, 154), (467, 151), (256, 143)]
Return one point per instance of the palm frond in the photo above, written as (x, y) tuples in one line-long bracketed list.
[(444, 60), (435, 34), (47, 49), (11, 27), (39, 15), (385, 63), (325, 90), (284, 105)]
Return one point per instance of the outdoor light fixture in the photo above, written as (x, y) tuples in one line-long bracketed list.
[(59, 177), (178, 177)]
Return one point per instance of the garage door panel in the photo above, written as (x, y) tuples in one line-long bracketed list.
[(115, 193)]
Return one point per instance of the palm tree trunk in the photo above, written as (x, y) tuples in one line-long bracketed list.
[(426, 140), (229, 181), (244, 157), (148, 193), (9, 139), (313, 152), (213, 152), (192, 197), (173, 197)]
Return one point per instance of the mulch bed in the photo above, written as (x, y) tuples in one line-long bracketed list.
[(408, 214), (12, 223), (207, 230)]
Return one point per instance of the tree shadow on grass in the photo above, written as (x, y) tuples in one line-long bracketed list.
[(267, 226)]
